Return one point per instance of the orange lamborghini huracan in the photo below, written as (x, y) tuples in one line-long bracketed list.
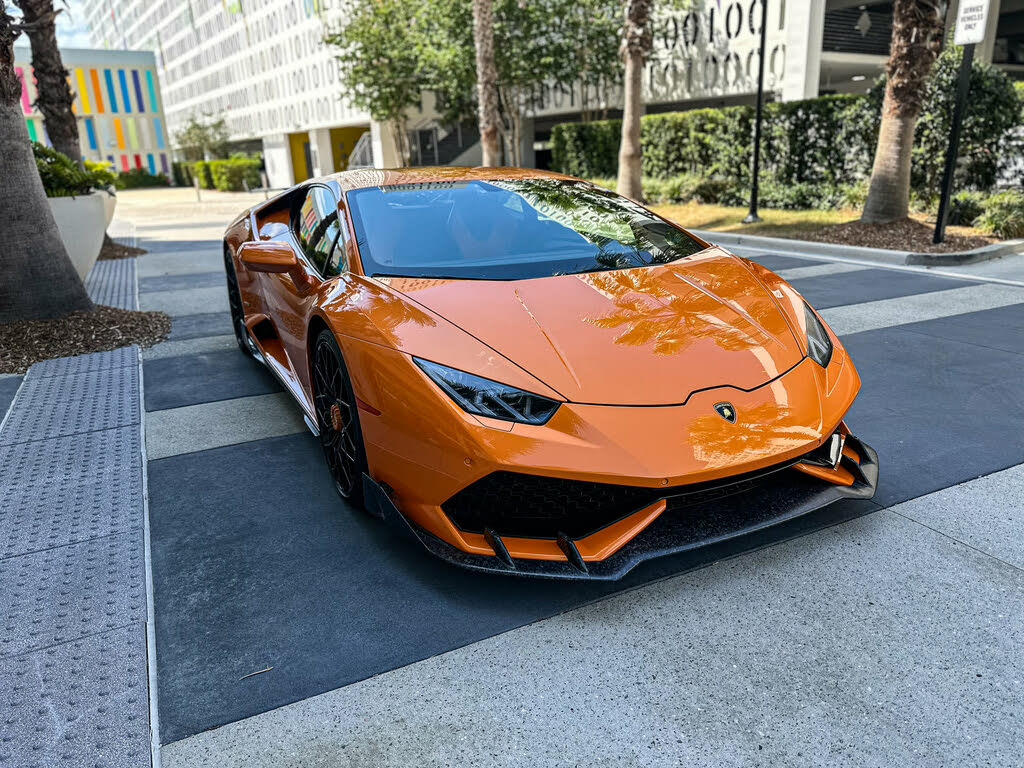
[(531, 374)]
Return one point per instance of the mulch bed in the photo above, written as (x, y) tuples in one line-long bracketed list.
[(112, 250), (905, 235), (26, 342)]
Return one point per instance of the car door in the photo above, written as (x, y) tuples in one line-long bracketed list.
[(315, 230)]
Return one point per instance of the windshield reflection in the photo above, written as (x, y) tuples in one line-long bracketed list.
[(507, 229)]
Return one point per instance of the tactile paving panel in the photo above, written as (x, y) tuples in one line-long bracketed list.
[(69, 489), (97, 361), (111, 282), (72, 404), (82, 704), (66, 593)]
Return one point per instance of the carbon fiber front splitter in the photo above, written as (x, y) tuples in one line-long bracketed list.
[(680, 528)]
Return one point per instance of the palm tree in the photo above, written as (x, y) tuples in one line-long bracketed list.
[(636, 48), (38, 279), (486, 80), (916, 40), (54, 97)]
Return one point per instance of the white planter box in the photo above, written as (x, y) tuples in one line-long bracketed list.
[(82, 221), (109, 204)]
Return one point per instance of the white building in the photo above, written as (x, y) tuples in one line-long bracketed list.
[(263, 66)]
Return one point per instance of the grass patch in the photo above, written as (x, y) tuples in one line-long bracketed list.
[(912, 234), (723, 218)]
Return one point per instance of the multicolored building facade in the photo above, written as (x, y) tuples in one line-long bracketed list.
[(117, 102)]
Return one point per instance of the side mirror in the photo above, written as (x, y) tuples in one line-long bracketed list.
[(268, 256)]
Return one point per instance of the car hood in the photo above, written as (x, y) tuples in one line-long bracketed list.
[(643, 336)]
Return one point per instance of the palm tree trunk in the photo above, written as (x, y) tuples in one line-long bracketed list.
[(486, 80), (54, 97), (38, 278), (889, 191), (916, 40), (636, 47)]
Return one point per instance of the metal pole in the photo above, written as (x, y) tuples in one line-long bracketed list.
[(963, 86), (752, 217)]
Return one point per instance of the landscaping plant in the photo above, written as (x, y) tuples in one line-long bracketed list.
[(140, 177), (63, 177), (1003, 215)]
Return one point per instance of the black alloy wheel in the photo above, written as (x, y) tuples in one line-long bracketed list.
[(245, 343), (338, 419)]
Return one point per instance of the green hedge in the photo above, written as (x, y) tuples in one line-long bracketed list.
[(815, 152), (201, 170), (812, 141), (140, 177), (588, 150), (230, 175), (181, 172), (236, 174)]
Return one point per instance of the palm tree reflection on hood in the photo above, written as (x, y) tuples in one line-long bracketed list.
[(668, 309)]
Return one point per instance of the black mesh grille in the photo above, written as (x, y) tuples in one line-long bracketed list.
[(516, 504)]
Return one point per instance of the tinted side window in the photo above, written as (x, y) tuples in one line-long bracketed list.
[(316, 226)]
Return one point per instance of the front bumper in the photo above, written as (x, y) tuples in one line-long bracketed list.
[(683, 526)]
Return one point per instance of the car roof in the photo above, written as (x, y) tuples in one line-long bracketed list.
[(379, 177)]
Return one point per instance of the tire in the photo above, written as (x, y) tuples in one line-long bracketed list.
[(337, 415), (245, 343)]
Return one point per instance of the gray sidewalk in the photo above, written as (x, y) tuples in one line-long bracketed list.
[(74, 672)]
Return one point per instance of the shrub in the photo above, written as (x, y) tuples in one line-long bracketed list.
[(63, 177), (851, 195), (992, 111), (682, 188), (140, 177), (811, 142), (587, 149), (653, 189), (201, 171), (1003, 215), (797, 196), (235, 174), (715, 191), (818, 150), (182, 173), (708, 142), (102, 173), (966, 207)]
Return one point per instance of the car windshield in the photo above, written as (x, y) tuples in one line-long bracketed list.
[(507, 230)]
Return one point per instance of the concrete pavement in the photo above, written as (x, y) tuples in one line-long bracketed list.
[(889, 639)]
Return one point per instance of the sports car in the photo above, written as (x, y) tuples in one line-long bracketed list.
[(527, 373)]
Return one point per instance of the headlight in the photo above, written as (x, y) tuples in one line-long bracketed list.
[(484, 397), (819, 345)]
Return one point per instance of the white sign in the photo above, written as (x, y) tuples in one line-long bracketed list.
[(970, 22)]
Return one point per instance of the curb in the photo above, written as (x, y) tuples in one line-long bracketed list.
[(880, 255)]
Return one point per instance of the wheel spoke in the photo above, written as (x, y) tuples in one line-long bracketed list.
[(333, 390)]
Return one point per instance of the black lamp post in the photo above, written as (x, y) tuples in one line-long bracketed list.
[(752, 217)]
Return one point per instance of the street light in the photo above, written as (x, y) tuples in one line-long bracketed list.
[(752, 217)]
